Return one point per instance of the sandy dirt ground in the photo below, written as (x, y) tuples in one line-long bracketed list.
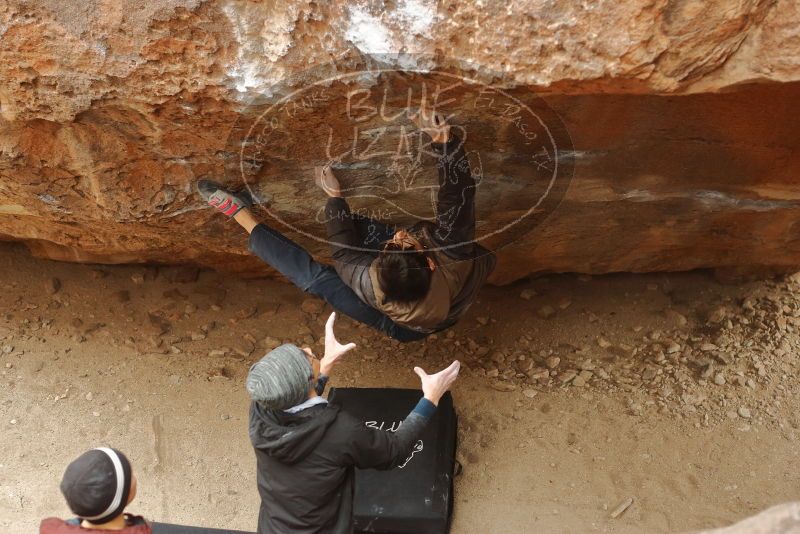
[(577, 393)]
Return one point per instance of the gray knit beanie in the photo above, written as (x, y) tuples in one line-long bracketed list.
[(281, 379)]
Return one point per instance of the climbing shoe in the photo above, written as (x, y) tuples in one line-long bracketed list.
[(225, 201)]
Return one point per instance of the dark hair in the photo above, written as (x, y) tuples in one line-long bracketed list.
[(403, 276)]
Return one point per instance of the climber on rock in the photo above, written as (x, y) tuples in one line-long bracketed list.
[(407, 283)]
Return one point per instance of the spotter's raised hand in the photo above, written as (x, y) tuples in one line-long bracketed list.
[(333, 349)]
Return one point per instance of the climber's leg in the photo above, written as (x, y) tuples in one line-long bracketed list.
[(246, 220), (296, 264), (291, 260)]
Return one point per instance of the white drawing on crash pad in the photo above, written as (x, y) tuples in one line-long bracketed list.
[(418, 446)]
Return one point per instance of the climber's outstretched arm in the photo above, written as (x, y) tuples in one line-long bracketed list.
[(351, 258), (455, 206), (296, 264)]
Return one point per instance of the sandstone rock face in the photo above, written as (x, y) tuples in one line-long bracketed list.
[(608, 136)]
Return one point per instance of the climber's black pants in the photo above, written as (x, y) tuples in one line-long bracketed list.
[(296, 264)]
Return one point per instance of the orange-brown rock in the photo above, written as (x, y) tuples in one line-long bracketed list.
[(675, 125)]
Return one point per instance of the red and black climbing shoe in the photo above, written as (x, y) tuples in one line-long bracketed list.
[(217, 197)]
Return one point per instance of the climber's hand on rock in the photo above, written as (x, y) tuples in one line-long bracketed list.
[(432, 123), (326, 180)]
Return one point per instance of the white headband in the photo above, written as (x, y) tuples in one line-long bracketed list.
[(120, 483)]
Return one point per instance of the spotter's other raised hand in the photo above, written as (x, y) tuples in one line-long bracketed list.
[(436, 385)]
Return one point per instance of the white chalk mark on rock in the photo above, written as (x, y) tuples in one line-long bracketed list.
[(367, 32)]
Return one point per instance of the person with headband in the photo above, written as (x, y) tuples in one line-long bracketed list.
[(307, 450), (97, 486), (407, 283)]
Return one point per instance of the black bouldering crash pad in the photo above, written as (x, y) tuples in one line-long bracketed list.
[(418, 496), (165, 528)]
